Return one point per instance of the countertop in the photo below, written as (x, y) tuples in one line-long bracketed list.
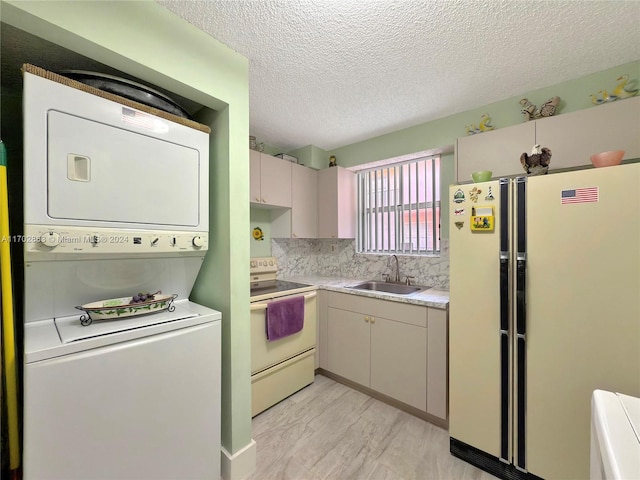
[(431, 297)]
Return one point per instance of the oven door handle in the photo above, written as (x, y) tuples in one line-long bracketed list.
[(262, 306)]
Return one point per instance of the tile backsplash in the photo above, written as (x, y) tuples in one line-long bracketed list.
[(338, 258)]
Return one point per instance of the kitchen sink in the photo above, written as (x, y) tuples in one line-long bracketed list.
[(387, 287)]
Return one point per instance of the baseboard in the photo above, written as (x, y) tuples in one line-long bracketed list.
[(439, 422), (239, 465)]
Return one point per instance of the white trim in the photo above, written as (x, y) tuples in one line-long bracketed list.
[(239, 465)]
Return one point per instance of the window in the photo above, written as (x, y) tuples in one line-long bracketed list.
[(399, 208)]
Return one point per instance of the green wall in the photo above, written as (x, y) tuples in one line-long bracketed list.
[(147, 41), (574, 94)]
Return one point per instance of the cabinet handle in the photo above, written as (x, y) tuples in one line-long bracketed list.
[(264, 201), (258, 199), (294, 235), (366, 319), (372, 320), (333, 235)]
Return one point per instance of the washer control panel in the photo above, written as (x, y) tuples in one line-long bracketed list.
[(43, 239)]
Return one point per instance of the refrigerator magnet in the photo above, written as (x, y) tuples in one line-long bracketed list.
[(458, 196), (459, 225), (482, 219), (489, 196), (473, 194), (459, 211)]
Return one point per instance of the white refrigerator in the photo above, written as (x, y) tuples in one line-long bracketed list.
[(544, 309)]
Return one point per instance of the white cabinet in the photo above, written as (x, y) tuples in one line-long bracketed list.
[(304, 202), (378, 344), (498, 150), (270, 180), (336, 203), (301, 221), (572, 139)]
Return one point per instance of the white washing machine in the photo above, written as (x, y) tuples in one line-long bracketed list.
[(615, 436), (116, 203)]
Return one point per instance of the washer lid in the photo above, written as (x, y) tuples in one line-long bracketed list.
[(71, 330)]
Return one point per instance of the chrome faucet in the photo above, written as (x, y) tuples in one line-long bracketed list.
[(397, 278)]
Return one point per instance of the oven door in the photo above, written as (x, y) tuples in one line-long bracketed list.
[(264, 353)]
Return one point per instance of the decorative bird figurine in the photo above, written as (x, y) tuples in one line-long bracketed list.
[(538, 162), (625, 87), (528, 108), (548, 108), (472, 129), (606, 97), (485, 123), (595, 100)]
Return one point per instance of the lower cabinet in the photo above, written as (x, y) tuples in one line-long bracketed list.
[(393, 348)]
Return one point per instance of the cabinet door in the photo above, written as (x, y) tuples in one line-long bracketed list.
[(254, 177), (336, 203), (574, 137), (498, 151), (437, 356), (348, 345), (399, 361), (275, 181), (304, 202)]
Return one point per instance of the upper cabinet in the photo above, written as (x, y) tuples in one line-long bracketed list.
[(336, 203), (572, 139), (270, 180), (498, 150)]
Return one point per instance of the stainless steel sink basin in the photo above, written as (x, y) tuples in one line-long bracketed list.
[(397, 288)]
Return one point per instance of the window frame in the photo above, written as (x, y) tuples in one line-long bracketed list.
[(374, 200)]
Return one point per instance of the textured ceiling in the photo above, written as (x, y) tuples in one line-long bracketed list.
[(334, 72)]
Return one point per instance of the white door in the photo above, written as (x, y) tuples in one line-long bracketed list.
[(474, 320), (583, 308)]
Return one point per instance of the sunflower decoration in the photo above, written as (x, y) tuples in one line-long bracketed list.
[(258, 234)]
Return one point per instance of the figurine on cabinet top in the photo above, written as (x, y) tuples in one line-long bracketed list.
[(332, 161), (538, 162), (547, 109)]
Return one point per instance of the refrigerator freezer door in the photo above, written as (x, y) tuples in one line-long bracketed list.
[(474, 325), (583, 308)]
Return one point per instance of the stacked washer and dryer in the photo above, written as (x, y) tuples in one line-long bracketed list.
[(115, 203)]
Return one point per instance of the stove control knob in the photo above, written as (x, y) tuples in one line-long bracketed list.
[(94, 240), (154, 241), (173, 241), (271, 263), (254, 264), (50, 239), (197, 241)]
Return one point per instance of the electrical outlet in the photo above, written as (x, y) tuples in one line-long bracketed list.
[(333, 248)]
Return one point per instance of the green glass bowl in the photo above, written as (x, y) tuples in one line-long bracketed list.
[(483, 176)]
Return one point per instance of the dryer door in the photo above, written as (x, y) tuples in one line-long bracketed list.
[(97, 172)]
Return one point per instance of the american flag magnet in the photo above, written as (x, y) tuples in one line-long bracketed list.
[(579, 195)]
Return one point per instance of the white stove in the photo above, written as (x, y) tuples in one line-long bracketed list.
[(281, 367)]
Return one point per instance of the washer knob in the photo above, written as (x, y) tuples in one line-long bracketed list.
[(50, 239), (197, 241)]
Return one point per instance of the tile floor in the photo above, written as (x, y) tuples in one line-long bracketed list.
[(330, 431)]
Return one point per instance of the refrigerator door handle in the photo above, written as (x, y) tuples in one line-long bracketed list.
[(521, 320), (505, 307)]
